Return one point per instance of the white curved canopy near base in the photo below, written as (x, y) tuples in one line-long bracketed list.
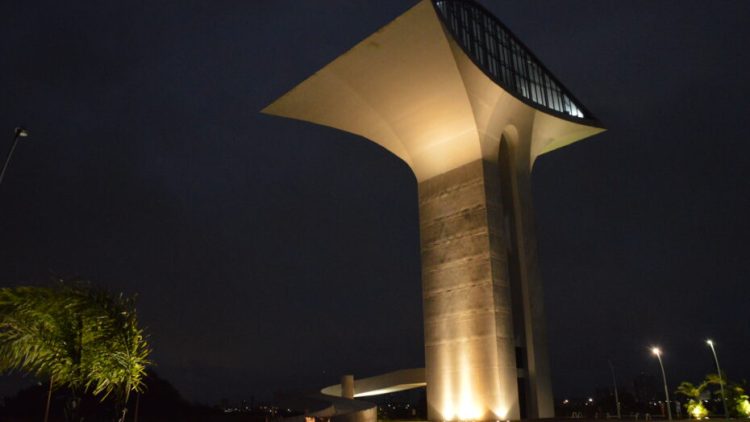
[(392, 382)]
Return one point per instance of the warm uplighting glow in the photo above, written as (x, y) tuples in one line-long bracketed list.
[(448, 410), (469, 412), (462, 399), (468, 408), (501, 412), (656, 351), (697, 410)]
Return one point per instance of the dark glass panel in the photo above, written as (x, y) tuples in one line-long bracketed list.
[(504, 59)]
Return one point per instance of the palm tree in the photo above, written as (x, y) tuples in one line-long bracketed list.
[(693, 393), (80, 337), (119, 359)]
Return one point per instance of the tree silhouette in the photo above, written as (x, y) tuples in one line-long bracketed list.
[(80, 337)]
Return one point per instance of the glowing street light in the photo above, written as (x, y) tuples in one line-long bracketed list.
[(17, 134), (721, 378), (656, 351)]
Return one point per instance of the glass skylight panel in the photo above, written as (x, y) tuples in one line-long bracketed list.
[(503, 58)]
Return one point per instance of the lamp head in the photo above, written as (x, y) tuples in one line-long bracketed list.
[(21, 132), (656, 351), (710, 342)]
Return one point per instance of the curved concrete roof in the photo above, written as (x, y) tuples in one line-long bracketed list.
[(410, 88)]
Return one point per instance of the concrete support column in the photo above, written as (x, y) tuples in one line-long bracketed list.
[(540, 401), (469, 340), (347, 386)]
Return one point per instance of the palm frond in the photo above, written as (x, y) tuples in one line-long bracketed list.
[(83, 337)]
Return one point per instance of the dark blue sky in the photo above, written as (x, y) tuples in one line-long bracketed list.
[(269, 253)]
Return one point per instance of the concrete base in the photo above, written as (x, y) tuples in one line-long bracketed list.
[(469, 340)]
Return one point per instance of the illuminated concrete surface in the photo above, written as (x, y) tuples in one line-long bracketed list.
[(471, 144), (392, 382), (347, 387)]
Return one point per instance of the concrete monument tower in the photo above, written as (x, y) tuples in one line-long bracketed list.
[(451, 91)]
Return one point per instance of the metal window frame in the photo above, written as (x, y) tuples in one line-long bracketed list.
[(515, 68)]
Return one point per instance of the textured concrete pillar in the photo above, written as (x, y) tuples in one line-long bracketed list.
[(469, 340), (347, 386)]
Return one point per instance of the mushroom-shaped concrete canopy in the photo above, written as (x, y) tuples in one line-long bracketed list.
[(412, 88)]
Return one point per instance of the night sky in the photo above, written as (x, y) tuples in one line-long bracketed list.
[(273, 254)]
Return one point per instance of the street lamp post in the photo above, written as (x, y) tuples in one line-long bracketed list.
[(657, 352), (614, 383), (721, 378), (17, 134)]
